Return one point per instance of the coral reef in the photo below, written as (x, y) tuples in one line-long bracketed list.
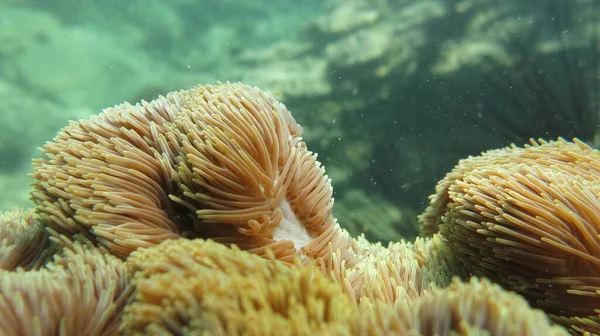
[(400, 272), (187, 287), (80, 291), (528, 218), (24, 243), (477, 307), (224, 162), (393, 93), (425, 83), (183, 188), (196, 286)]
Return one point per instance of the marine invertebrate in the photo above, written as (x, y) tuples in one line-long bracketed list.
[(528, 218), (399, 272), (242, 162), (224, 162), (227, 162), (23, 242), (197, 286), (81, 292), (477, 307)]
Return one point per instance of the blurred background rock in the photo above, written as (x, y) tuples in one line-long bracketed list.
[(391, 93)]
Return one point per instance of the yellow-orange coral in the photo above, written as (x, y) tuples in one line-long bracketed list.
[(227, 162), (529, 218), (224, 162), (400, 272), (241, 162), (477, 307), (195, 287), (81, 292), (201, 287), (23, 242)]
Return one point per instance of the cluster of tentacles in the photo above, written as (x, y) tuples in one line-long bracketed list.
[(203, 212)]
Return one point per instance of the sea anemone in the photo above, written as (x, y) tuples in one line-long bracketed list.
[(81, 292), (399, 272), (225, 162), (477, 307), (202, 287), (23, 242), (243, 169), (528, 218)]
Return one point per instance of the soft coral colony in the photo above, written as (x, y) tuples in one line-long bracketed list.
[(203, 212)]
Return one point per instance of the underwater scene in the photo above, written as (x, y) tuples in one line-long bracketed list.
[(315, 167)]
